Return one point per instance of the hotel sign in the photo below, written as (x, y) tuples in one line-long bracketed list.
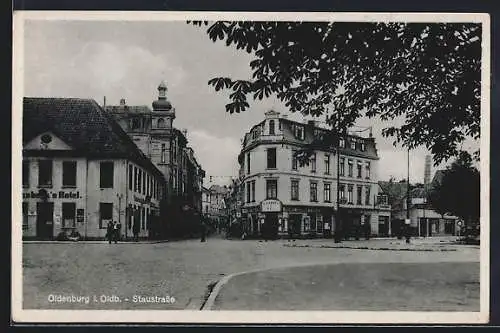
[(270, 205), (52, 195)]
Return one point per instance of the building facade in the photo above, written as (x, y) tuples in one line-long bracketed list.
[(167, 147), (283, 197), (80, 171)]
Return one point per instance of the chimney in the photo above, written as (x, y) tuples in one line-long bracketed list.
[(427, 170), (122, 102), (104, 103)]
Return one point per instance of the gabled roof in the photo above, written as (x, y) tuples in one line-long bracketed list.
[(218, 189), (82, 124)]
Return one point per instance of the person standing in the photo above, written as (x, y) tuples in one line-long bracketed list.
[(135, 230), (109, 232), (115, 232), (203, 231)]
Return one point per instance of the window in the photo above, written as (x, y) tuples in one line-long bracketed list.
[(327, 164), (106, 174), (130, 176), (359, 193), (253, 191), (272, 188), (135, 123), (367, 170), (367, 198), (163, 153), (139, 180), (295, 189), (248, 162), (148, 182), (68, 214), (45, 173), (362, 145), (313, 162), (360, 167), (349, 194), (342, 193), (105, 214), (25, 215), (143, 218), (294, 159), (314, 191), (249, 191), (271, 127), (69, 173), (143, 182), (349, 162), (353, 143), (136, 178), (161, 123), (26, 173), (174, 151), (342, 143), (342, 166), (298, 131), (280, 124), (271, 158), (327, 192)]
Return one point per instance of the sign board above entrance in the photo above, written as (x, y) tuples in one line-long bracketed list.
[(270, 205)]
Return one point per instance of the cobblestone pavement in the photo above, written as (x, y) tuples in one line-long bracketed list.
[(181, 269)]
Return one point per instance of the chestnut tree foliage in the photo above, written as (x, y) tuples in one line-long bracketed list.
[(426, 74)]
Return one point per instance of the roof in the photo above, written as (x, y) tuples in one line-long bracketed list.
[(135, 109), (83, 125)]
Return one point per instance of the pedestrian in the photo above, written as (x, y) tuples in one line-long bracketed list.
[(135, 230), (118, 231), (115, 232), (203, 232), (109, 231)]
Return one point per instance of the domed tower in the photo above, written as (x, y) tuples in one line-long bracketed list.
[(163, 112)]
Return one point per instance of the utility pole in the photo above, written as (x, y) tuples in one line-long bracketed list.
[(408, 223)]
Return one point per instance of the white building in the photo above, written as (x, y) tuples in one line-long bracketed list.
[(283, 197), (81, 170)]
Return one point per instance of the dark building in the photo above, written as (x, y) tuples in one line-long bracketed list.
[(167, 147)]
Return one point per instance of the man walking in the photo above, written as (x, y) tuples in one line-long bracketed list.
[(109, 231)]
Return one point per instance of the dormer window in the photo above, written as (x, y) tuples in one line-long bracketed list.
[(353, 144), (271, 127)]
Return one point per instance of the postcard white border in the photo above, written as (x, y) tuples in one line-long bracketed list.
[(20, 315)]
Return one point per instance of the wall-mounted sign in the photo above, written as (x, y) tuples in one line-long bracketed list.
[(270, 205), (52, 195)]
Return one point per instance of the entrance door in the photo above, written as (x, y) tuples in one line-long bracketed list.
[(294, 224), (45, 220), (271, 226)]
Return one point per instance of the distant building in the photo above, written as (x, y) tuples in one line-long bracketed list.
[(205, 201), (283, 198), (217, 210), (167, 147), (81, 170), (424, 220)]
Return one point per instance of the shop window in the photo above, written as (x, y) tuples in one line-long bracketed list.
[(105, 214), (68, 214), (106, 174), (69, 173), (45, 173)]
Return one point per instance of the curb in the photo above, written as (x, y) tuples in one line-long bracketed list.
[(371, 248)]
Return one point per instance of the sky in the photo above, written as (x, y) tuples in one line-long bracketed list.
[(120, 59)]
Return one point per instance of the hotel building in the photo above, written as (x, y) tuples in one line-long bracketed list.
[(80, 170)]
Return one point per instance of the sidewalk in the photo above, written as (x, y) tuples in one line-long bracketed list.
[(388, 244)]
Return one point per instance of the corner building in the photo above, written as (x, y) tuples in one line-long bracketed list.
[(283, 198), (80, 170)]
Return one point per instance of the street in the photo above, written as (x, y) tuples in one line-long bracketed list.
[(184, 270)]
